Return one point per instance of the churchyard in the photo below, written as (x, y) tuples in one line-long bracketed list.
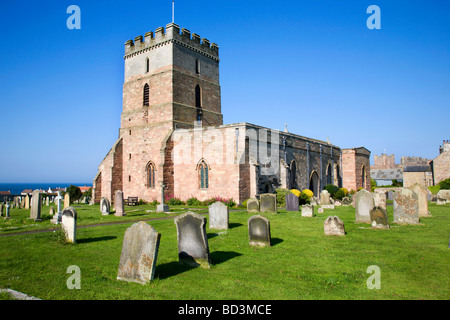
[(301, 262)]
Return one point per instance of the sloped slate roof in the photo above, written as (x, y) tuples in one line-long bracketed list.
[(416, 168), (386, 174)]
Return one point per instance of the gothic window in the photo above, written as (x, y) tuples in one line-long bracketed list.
[(197, 66), (198, 103), (150, 175), (146, 95), (203, 175)]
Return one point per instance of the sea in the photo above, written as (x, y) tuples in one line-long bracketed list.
[(17, 188)]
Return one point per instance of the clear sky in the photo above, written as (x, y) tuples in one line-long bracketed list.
[(311, 64)]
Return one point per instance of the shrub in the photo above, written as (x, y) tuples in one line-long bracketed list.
[(142, 202), (332, 189), (296, 192), (244, 203), (434, 189), (193, 201), (229, 202), (305, 197), (444, 184), (339, 194), (171, 200), (281, 196)]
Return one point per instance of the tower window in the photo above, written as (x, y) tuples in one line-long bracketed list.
[(197, 66), (147, 65), (198, 103), (204, 175), (146, 95)]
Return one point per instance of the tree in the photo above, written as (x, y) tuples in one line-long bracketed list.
[(444, 184), (74, 193)]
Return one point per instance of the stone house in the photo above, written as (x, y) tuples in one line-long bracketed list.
[(172, 132)]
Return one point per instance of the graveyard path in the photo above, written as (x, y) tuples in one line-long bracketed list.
[(89, 226)]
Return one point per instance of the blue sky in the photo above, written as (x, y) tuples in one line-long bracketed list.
[(311, 64)]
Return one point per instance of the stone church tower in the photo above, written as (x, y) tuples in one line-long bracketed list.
[(171, 81)]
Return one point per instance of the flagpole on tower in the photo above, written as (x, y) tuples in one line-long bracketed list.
[(173, 11)]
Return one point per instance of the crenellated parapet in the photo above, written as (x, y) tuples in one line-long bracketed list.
[(171, 34)]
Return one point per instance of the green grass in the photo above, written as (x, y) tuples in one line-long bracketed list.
[(302, 263)]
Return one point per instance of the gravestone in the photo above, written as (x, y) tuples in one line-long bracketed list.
[(69, 224), (444, 194), (193, 246), (422, 193), (51, 211), (27, 202), (363, 204), (327, 206), (47, 201), (268, 203), (346, 201), (1, 209), (314, 201), (320, 210), (441, 201), (406, 207), (58, 202), (104, 206), (218, 216), (162, 207), (333, 226), (307, 210), (66, 200), (139, 253), (22, 203), (119, 204), (379, 218), (379, 199), (292, 202), (35, 212), (8, 211), (252, 205), (324, 198), (259, 231)]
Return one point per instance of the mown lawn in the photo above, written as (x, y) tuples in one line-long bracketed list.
[(302, 263)]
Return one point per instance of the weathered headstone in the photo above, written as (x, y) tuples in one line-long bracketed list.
[(119, 204), (1, 209), (422, 193), (328, 206), (252, 205), (346, 201), (104, 206), (324, 198), (259, 231), (8, 211), (51, 211), (47, 201), (69, 224), (379, 199), (320, 210), (193, 246), (363, 204), (379, 218), (268, 203), (292, 203), (27, 202), (406, 207), (307, 210), (218, 216), (314, 201), (66, 200), (444, 194), (35, 212), (139, 253), (333, 226)]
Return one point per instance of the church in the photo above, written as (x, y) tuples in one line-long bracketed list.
[(172, 134)]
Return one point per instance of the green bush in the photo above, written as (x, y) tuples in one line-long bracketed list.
[(305, 197), (340, 194), (175, 202), (444, 184), (332, 189), (193, 201), (434, 189), (244, 203), (281, 196)]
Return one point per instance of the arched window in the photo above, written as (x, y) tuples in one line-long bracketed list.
[(293, 175), (146, 95), (198, 103), (151, 175), (329, 173), (203, 175)]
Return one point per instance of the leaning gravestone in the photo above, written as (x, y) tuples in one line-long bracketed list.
[(69, 224), (406, 207), (333, 226), (444, 194), (218, 216), (363, 204), (259, 231), (35, 212), (119, 204), (27, 202), (307, 210), (139, 253), (66, 200), (379, 199), (268, 203), (292, 203), (379, 218), (422, 193), (324, 198), (104, 206), (252, 205), (193, 246)]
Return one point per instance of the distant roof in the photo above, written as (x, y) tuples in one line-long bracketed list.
[(416, 168), (5, 193), (386, 174)]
